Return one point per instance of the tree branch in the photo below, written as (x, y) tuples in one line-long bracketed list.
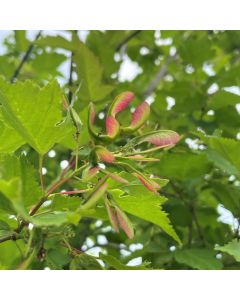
[(25, 58), (127, 39), (36, 207), (9, 237), (70, 81), (158, 77)]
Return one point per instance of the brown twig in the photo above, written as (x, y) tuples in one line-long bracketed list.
[(36, 207)]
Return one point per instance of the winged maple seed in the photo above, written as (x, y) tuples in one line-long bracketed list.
[(123, 157), (112, 127), (119, 219), (159, 138), (148, 183)]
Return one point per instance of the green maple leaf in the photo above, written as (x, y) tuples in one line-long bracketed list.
[(198, 259), (90, 74), (232, 248), (145, 205), (34, 113), (18, 183)]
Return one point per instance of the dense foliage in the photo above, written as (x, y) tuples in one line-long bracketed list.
[(120, 150)]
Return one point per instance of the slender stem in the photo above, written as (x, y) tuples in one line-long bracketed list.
[(36, 207), (77, 149), (61, 181), (148, 150), (57, 185), (41, 172), (127, 39), (25, 58), (70, 94)]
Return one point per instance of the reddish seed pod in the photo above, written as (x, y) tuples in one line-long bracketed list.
[(112, 127), (151, 185), (125, 223), (104, 155), (112, 216), (120, 103), (140, 115)]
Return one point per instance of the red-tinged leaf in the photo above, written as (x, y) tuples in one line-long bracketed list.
[(125, 223), (140, 115), (89, 173), (120, 103), (96, 194), (112, 216), (112, 127), (104, 155), (149, 184)]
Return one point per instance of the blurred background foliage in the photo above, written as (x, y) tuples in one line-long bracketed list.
[(191, 79)]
